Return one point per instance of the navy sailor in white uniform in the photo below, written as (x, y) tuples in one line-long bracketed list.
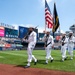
[(49, 43), (32, 39), (71, 40)]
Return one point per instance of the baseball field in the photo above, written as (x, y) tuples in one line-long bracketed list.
[(19, 59)]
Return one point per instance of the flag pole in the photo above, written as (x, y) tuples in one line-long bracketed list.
[(45, 21), (53, 22), (59, 29), (45, 25)]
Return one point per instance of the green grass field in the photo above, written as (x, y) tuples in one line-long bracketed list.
[(19, 58)]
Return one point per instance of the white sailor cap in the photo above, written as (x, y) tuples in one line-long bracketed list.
[(70, 32), (63, 32)]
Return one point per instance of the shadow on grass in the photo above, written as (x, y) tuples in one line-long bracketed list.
[(21, 65), (60, 60), (41, 61), (24, 63)]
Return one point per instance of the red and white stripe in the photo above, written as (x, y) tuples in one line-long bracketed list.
[(48, 18)]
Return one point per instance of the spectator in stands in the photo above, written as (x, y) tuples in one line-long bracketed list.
[(31, 39), (49, 43)]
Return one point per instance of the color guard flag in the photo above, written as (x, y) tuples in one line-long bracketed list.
[(55, 20), (48, 16)]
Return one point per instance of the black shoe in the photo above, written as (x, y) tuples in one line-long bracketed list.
[(46, 63), (51, 60), (26, 66), (66, 58), (35, 62)]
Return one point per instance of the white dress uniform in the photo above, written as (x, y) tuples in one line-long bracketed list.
[(63, 48), (49, 47), (71, 46), (31, 44)]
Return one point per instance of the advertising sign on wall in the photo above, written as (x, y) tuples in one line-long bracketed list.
[(1, 31)]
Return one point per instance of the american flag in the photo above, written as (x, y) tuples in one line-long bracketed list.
[(48, 16)]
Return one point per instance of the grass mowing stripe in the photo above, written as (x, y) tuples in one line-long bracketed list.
[(1, 57), (14, 54)]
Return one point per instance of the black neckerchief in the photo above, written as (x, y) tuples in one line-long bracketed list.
[(63, 38), (47, 36), (70, 36)]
